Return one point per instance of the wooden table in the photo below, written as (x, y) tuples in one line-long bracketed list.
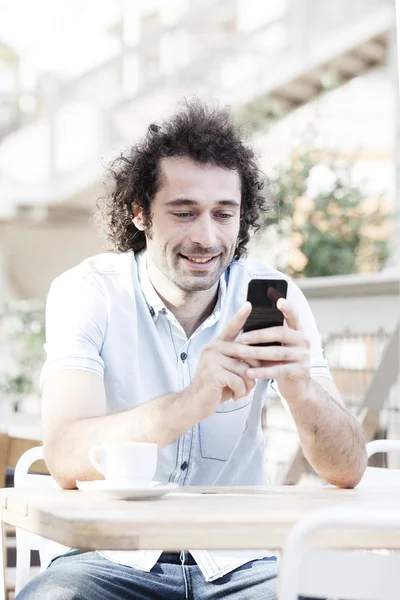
[(192, 518)]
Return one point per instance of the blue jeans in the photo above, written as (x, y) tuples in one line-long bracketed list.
[(89, 576)]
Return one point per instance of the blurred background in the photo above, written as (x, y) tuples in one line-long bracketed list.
[(315, 86)]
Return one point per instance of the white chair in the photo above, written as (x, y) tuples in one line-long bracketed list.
[(326, 573), (377, 476), (26, 541)]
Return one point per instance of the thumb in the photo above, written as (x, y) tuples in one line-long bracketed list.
[(236, 324)]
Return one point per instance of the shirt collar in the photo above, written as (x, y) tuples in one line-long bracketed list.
[(157, 306), (154, 302)]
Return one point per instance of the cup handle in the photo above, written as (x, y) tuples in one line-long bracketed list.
[(96, 457)]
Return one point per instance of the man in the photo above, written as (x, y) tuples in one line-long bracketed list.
[(146, 345)]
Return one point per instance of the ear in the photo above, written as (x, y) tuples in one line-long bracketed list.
[(137, 216)]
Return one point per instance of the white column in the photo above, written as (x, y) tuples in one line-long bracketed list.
[(394, 64), (130, 13)]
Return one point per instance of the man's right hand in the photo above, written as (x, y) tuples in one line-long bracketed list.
[(219, 375)]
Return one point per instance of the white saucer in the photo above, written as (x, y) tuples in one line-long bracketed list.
[(125, 492)]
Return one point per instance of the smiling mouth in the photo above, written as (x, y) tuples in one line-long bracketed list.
[(200, 260)]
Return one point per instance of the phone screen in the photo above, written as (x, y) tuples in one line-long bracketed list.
[(263, 295)]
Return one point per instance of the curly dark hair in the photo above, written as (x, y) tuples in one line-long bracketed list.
[(205, 134)]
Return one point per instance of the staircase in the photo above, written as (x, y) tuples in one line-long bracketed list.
[(294, 51), (276, 54)]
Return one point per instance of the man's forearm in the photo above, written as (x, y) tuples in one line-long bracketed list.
[(161, 421), (332, 439)]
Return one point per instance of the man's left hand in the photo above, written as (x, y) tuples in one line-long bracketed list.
[(288, 364)]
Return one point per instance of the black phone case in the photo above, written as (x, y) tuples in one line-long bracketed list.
[(262, 317)]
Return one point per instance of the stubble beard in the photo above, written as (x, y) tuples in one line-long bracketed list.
[(196, 282)]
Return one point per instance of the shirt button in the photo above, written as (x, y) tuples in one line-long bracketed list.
[(184, 466), (152, 311), (183, 356)]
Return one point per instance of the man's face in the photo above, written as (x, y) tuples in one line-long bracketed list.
[(195, 223)]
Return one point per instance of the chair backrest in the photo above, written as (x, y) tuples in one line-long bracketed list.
[(329, 573), (376, 476), (22, 477), (28, 541), (326, 572)]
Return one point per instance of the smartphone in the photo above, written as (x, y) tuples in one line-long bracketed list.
[(263, 295)]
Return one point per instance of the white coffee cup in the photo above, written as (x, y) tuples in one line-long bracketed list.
[(132, 463)]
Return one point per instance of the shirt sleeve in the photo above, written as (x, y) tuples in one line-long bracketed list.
[(76, 322), (318, 365)]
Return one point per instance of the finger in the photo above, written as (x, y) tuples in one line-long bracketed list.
[(283, 335), (254, 363), (234, 350), (236, 324), (248, 386), (239, 368), (236, 384), (273, 354), (250, 383), (238, 351), (290, 314), (255, 355), (293, 371)]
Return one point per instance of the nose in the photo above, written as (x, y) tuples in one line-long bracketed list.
[(203, 232)]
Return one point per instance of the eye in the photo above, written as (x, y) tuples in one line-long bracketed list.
[(182, 215), (224, 216)]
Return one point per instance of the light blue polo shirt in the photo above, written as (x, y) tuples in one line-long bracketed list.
[(105, 317)]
